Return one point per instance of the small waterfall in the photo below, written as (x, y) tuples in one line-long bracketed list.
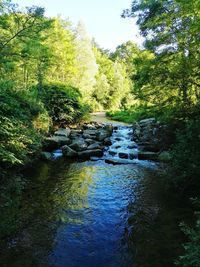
[(123, 148)]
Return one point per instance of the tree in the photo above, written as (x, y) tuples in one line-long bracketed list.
[(112, 81), (24, 23), (126, 53), (61, 44), (86, 63), (171, 29), (22, 48)]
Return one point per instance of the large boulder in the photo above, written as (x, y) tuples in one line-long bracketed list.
[(88, 136), (63, 132), (68, 152), (51, 143), (90, 133), (147, 146), (94, 146), (79, 145), (55, 142), (90, 153), (102, 134), (45, 155), (63, 141), (108, 128), (90, 141), (151, 135), (76, 131), (147, 121), (89, 126)]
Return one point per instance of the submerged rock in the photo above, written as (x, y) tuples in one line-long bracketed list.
[(107, 141), (90, 153), (133, 156), (123, 155), (112, 153), (132, 146), (119, 161), (113, 161), (147, 155)]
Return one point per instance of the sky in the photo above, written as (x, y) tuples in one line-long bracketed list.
[(101, 18)]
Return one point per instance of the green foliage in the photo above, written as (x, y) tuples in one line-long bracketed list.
[(19, 138), (191, 258), (133, 114), (170, 76), (127, 53), (60, 41), (24, 55), (113, 85), (63, 103), (185, 158), (85, 63)]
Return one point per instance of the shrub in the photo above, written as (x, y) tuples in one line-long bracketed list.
[(63, 103), (192, 247), (185, 168), (19, 136)]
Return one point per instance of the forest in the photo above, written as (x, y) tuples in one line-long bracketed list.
[(53, 74)]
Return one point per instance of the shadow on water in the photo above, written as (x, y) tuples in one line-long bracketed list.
[(95, 214)]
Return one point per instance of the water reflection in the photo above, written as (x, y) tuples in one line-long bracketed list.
[(155, 234), (94, 214)]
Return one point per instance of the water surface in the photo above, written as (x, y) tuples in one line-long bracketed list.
[(97, 214)]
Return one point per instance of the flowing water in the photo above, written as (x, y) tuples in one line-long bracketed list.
[(95, 214), (123, 148)]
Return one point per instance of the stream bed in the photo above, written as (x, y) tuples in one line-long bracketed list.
[(97, 214)]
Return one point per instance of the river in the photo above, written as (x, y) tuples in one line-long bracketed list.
[(95, 214)]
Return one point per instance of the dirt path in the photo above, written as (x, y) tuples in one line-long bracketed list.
[(100, 117)]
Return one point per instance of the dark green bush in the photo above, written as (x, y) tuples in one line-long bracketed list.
[(63, 103), (19, 136), (191, 258), (185, 167)]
